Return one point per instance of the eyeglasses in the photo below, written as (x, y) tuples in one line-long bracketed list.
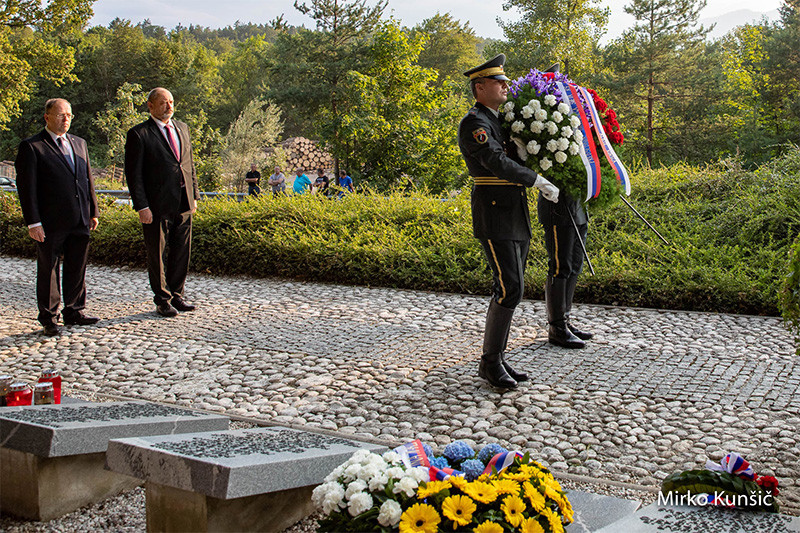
[(68, 116)]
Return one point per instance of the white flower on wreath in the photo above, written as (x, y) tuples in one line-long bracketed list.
[(509, 116), (354, 488), (540, 114), (517, 126), (566, 131), (574, 148), (392, 458), (351, 472), (552, 145), (535, 104), (390, 513), (333, 476), (563, 144), (359, 503), (378, 483), (408, 485), (537, 126), (557, 117), (563, 108), (552, 129), (359, 456), (533, 147), (328, 496), (578, 136), (545, 163), (527, 112), (368, 472), (508, 107), (561, 157), (396, 472), (574, 121), (550, 100), (420, 473)]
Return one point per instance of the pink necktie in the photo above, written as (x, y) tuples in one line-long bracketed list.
[(173, 142)]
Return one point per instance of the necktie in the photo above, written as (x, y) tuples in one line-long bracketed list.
[(173, 142), (62, 145)]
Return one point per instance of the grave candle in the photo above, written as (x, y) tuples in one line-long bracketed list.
[(52, 376), (21, 394), (43, 394), (5, 388)]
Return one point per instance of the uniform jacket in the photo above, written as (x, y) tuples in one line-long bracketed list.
[(154, 174), (49, 192), (499, 212), (551, 214)]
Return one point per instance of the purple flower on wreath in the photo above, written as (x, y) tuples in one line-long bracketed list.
[(472, 469), (458, 451), (489, 451), (544, 85), (439, 462)]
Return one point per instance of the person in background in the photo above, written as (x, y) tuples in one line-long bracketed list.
[(344, 182), (322, 182), (278, 182), (301, 182), (252, 179)]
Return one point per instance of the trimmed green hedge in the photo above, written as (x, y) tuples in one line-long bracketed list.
[(731, 232)]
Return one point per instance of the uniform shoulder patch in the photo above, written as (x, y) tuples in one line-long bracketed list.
[(480, 135)]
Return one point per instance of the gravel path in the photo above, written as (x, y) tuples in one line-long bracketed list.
[(656, 392)]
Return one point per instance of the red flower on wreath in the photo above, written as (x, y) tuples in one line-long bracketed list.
[(769, 484), (609, 116)]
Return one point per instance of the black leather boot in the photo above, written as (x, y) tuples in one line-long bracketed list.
[(582, 335), (496, 308), (556, 301), (491, 367)]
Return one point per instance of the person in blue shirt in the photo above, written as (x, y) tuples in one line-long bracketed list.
[(345, 182), (301, 182)]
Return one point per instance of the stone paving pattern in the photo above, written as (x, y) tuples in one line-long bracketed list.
[(656, 392)]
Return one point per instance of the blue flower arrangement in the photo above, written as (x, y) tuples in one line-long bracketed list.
[(458, 451)]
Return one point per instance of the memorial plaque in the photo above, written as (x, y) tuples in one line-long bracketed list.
[(233, 464), (594, 511), (73, 429)]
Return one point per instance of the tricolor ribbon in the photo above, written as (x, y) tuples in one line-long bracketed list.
[(413, 454), (501, 461), (588, 152), (733, 463)]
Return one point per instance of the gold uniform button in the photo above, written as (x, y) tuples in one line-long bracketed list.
[(494, 203)]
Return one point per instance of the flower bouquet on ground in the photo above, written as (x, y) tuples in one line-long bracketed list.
[(732, 483), (565, 133), (495, 490)]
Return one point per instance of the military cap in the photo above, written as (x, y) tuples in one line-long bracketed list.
[(491, 69), (552, 68)]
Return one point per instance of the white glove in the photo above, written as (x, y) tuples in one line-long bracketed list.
[(549, 191), (521, 151)]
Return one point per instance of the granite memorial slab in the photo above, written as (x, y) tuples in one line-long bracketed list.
[(691, 519), (244, 480), (595, 511), (52, 457)]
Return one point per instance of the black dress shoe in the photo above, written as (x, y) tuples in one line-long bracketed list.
[(582, 335), (51, 330), (181, 305), (80, 320), (495, 374), (165, 309)]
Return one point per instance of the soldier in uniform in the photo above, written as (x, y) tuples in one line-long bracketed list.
[(500, 217), (564, 263)]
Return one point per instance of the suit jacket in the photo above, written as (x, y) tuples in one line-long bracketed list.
[(498, 211), (50, 193), (154, 174)]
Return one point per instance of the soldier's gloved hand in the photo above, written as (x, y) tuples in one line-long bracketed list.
[(549, 191), (521, 151)]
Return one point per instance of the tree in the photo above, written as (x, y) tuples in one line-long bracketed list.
[(450, 47), (551, 31), (258, 126), (118, 117), (783, 68), (31, 48)]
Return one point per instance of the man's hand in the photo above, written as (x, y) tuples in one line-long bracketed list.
[(549, 191), (146, 216), (37, 233), (93, 224)]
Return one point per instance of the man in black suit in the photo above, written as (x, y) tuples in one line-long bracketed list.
[(56, 190), (159, 168)]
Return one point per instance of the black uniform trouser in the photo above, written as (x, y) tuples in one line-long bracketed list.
[(564, 253), (168, 241), (507, 260), (74, 247)]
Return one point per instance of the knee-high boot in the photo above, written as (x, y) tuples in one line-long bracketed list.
[(498, 320), (582, 335), (516, 376), (556, 299)]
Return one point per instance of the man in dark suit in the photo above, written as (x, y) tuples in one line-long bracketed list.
[(56, 190), (159, 168)]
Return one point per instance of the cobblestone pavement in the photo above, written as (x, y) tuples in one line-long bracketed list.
[(656, 392)]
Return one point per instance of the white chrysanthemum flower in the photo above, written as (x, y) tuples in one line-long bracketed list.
[(392, 457), (508, 107), (574, 121), (351, 472), (368, 472), (532, 147), (421, 474), (552, 145), (537, 126), (552, 129), (563, 108), (535, 104), (509, 116), (566, 131), (561, 157), (540, 114), (578, 136), (396, 472), (527, 112), (360, 455), (517, 126), (359, 503), (563, 144), (408, 485), (557, 117), (550, 100), (378, 483), (377, 461), (328, 496), (574, 148), (333, 476), (390, 513), (355, 487), (545, 163)]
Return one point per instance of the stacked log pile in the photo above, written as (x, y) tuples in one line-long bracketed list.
[(305, 153)]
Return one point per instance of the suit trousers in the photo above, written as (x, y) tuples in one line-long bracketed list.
[(168, 241), (73, 246), (564, 252), (507, 260)]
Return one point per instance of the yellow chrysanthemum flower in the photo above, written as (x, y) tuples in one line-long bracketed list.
[(553, 482), (516, 476), (566, 509), (420, 518), (534, 496), (555, 521), (480, 491), (459, 509), (551, 493), (513, 507), (506, 486), (458, 482), (431, 487), (531, 525), (488, 527)]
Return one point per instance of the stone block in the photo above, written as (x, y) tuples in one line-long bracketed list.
[(595, 511)]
